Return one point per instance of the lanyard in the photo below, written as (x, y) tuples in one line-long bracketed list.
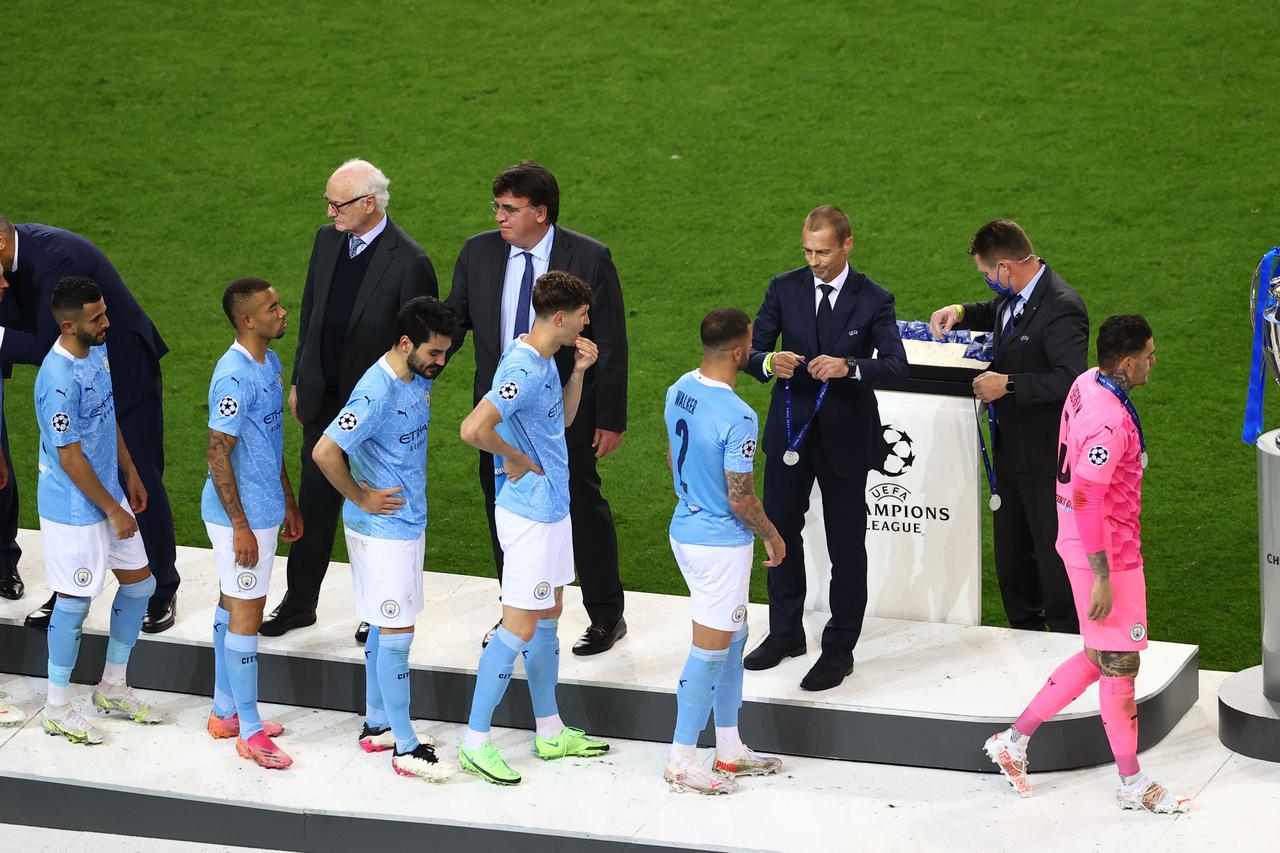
[(1106, 382), (994, 502), (791, 457)]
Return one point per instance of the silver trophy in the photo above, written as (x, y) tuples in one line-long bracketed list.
[(1249, 701)]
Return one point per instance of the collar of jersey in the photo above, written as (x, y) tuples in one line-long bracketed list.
[(63, 351), (707, 380)]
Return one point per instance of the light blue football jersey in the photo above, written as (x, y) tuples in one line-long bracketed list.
[(527, 393), (246, 400), (383, 430), (75, 403), (710, 430)]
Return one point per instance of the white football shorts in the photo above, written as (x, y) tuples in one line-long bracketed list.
[(719, 581), (235, 580), (537, 557), (77, 557), (386, 575)]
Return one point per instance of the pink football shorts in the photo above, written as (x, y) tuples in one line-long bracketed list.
[(1125, 628)]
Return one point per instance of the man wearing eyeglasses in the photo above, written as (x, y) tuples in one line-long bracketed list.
[(1041, 345), (493, 297), (363, 268)]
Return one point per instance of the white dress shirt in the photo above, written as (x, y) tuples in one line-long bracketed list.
[(371, 235), (515, 273), (1019, 302)]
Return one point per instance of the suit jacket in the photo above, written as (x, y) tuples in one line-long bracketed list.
[(476, 298), (1043, 355), (849, 427), (45, 256), (398, 271)]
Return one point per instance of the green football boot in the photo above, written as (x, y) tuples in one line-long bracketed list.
[(569, 742), (487, 763)]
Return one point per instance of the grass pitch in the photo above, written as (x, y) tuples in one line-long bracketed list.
[(192, 143)]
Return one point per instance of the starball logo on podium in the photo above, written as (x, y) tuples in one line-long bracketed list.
[(892, 506)]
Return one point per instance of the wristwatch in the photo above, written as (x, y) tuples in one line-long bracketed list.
[(852, 364), (1008, 386)]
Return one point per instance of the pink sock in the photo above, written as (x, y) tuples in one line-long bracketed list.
[(1120, 719), (1068, 681)]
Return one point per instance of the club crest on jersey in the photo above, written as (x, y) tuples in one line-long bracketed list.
[(739, 613), (60, 422), (347, 421), (390, 608), (246, 581), (542, 590), (82, 577), (748, 449), (1098, 455), (509, 391), (1138, 632), (227, 407)]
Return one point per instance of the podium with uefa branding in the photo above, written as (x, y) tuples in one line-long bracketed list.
[(924, 504)]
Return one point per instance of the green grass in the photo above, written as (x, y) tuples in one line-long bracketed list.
[(1133, 142)]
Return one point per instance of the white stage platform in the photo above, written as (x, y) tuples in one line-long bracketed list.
[(920, 694), (173, 781)]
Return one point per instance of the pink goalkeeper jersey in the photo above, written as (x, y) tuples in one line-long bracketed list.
[(1098, 442)]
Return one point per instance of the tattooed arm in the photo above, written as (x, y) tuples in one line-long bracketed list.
[(747, 507), (218, 455)]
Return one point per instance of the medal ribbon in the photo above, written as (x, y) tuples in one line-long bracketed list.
[(817, 406), (982, 444), (1106, 382)]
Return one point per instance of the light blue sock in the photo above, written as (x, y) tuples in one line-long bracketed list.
[(224, 705), (65, 625), (542, 665), (694, 696), (374, 716), (492, 677), (127, 610), (393, 680), (728, 697), (242, 671)]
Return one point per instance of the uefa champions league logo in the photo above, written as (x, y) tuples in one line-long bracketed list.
[(347, 421), (899, 453), (60, 422), (227, 407), (246, 581)]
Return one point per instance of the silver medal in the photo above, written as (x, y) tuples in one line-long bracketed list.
[(791, 457), (1142, 458), (994, 503)]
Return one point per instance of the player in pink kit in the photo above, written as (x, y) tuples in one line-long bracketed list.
[(1101, 457)]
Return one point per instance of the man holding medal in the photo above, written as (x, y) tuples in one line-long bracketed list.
[(823, 424), (1101, 456), (1041, 345)]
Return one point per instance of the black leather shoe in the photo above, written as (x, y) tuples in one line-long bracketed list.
[(488, 637), (599, 639), (771, 651), (283, 620), (11, 585), (39, 618), (828, 672), (362, 633), (160, 617)]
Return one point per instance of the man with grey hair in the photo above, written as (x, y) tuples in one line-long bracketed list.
[(363, 269)]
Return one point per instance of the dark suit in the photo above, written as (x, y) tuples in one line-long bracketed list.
[(476, 297), (397, 271), (844, 442), (1043, 354), (45, 256)]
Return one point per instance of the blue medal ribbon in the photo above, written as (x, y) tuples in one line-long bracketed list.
[(1106, 382), (1258, 368), (804, 430), (994, 503)]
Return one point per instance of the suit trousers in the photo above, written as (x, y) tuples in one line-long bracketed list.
[(321, 507), (786, 499), (10, 553), (595, 541), (142, 427), (1033, 582)]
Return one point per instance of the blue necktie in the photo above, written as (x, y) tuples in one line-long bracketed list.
[(1015, 314), (354, 245), (526, 296)]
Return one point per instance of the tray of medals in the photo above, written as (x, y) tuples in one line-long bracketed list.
[(944, 366)]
